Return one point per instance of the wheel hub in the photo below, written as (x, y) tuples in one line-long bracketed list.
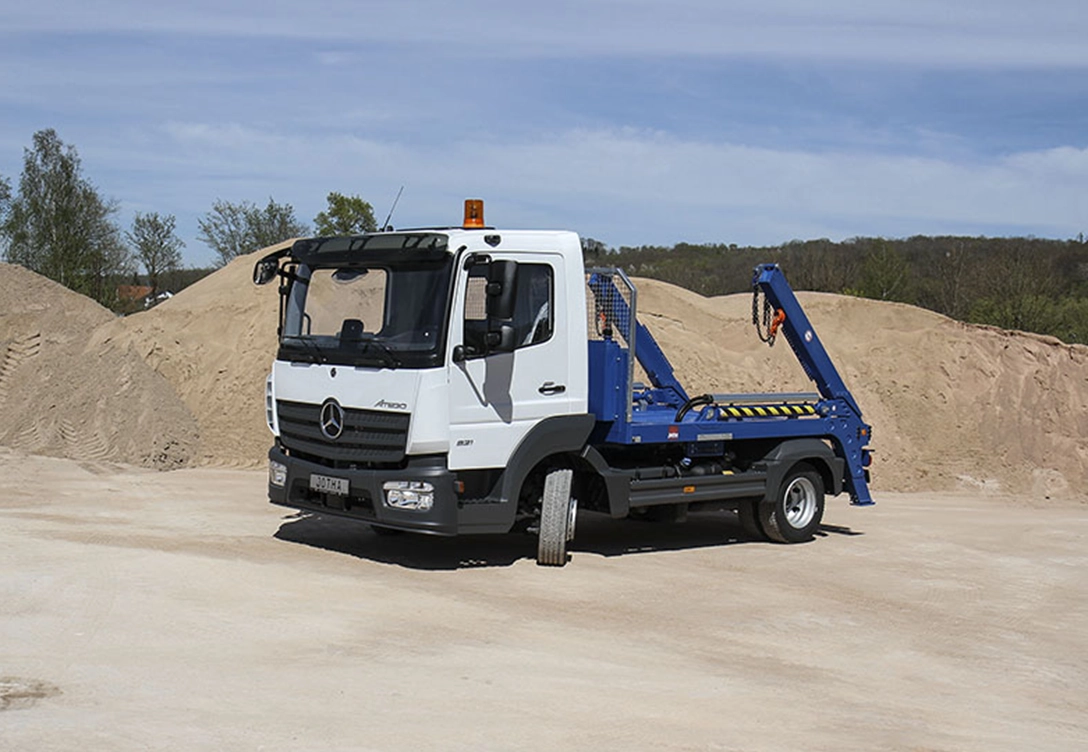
[(800, 502)]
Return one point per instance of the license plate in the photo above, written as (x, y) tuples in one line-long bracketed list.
[(328, 484)]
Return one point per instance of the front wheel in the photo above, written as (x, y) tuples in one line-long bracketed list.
[(798, 507)]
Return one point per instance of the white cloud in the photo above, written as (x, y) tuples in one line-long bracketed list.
[(924, 33), (633, 187), (222, 136), (337, 58), (860, 193), (1064, 163)]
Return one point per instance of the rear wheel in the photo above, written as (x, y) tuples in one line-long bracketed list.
[(558, 511), (748, 514), (798, 508)]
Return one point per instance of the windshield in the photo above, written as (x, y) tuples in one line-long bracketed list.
[(384, 312)]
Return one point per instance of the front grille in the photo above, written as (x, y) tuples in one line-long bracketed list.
[(369, 436)]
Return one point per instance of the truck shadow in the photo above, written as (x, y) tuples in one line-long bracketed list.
[(596, 534), (413, 551)]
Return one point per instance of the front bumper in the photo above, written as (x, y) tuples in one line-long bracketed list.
[(365, 500)]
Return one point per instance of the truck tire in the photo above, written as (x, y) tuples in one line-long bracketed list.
[(558, 510), (748, 515), (797, 509)]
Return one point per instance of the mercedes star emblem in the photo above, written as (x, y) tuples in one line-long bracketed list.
[(332, 419)]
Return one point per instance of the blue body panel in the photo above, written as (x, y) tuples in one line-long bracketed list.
[(662, 413), (607, 376)]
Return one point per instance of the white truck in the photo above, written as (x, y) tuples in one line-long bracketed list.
[(466, 379)]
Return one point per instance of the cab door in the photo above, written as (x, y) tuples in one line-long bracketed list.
[(496, 399)]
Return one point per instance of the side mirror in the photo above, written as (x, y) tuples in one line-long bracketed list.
[(502, 288), (501, 339), (265, 270)]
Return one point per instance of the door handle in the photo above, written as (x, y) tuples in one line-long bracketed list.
[(550, 387)]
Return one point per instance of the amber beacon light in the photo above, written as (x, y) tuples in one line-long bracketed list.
[(474, 213)]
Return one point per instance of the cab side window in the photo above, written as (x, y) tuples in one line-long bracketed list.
[(534, 308), (475, 331)]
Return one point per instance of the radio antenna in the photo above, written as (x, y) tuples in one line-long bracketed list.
[(389, 216)]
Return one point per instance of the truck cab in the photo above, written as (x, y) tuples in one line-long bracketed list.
[(466, 379)]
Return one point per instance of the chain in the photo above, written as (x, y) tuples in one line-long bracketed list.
[(765, 325)]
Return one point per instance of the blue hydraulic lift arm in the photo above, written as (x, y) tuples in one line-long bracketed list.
[(801, 336), (849, 430)]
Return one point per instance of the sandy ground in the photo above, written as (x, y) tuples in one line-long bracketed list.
[(165, 611)]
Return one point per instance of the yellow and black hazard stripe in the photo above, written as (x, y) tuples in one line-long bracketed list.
[(766, 411)]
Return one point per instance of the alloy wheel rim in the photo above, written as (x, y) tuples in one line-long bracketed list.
[(800, 502)]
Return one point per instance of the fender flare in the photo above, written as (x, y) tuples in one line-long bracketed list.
[(555, 435), (814, 451)]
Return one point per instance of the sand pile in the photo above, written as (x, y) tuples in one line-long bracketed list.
[(215, 343), (64, 396), (952, 405)]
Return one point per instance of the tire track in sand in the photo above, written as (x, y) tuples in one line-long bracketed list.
[(16, 353)]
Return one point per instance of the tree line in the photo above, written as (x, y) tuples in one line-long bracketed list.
[(56, 223), (1030, 284)]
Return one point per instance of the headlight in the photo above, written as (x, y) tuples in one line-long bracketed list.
[(277, 473), (409, 494)]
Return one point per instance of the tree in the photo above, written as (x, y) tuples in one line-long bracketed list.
[(951, 285), (1017, 290), (58, 226), (593, 250), (223, 229), (885, 272), (273, 224), (233, 229), (157, 247), (346, 215), (5, 205)]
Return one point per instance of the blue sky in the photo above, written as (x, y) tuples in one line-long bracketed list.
[(632, 122)]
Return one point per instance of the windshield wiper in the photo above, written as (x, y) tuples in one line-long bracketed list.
[(392, 360), (312, 350)]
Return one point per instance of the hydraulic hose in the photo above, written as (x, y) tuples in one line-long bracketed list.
[(702, 399)]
